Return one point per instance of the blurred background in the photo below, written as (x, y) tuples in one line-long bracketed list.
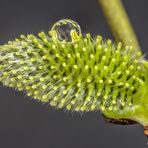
[(25, 123)]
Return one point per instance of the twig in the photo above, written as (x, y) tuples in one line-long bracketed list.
[(119, 23)]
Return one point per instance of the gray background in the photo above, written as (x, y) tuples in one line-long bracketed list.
[(25, 123)]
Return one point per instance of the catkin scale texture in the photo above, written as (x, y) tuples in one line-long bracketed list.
[(83, 75)]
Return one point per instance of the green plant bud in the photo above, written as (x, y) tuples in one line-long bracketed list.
[(78, 72)]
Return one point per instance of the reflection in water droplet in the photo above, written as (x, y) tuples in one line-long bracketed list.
[(64, 30)]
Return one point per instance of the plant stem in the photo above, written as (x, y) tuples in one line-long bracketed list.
[(119, 23)]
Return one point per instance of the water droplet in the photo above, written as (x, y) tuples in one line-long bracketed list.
[(66, 30)]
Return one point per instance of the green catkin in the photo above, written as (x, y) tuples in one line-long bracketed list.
[(78, 73)]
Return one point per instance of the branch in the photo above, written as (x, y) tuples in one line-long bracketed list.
[(119, 23)]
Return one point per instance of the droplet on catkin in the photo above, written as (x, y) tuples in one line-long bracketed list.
[(64, 28)]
